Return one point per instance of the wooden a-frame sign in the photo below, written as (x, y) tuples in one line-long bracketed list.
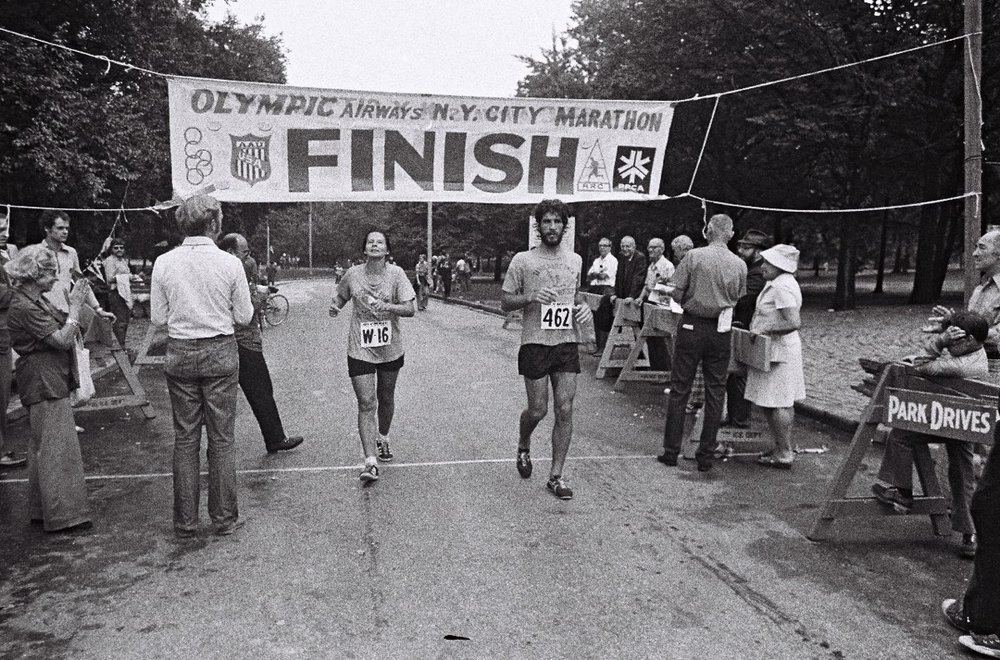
[(951, 408)]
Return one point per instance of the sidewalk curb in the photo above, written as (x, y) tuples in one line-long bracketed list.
[(837, 421)]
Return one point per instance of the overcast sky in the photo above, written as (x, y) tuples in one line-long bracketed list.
[(461, 47)]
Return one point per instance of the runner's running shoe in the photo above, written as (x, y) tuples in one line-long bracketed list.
[(523, 464), (369, 475), (384, 453), (558, 486), (952, 610)]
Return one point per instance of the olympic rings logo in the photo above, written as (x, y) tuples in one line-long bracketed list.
[(198, 162)]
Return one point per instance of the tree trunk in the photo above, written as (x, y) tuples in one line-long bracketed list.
[(844, 296), (926, 261), (498, 260), (880, 276)]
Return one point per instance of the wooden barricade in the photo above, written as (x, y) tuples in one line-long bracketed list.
[(657, 322), (101, 339), (624, 331), (155, 335), (950, 408)]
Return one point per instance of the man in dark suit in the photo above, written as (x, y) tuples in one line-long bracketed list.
[(629, 280)]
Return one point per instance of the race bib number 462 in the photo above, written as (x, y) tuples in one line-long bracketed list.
[(557, 316), (375, 334)]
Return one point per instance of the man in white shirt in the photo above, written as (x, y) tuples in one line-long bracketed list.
[(601, 276), (55, 224), (200, 294)]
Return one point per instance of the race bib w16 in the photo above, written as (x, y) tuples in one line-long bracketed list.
[(375, 334), (557, 316)]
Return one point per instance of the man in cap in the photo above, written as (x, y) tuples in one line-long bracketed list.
[(749, 248)]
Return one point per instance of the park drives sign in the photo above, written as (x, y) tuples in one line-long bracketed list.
[(251, 142), (959, 418)]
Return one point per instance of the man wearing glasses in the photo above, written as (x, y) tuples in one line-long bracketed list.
[(255, 378), (601, 276)]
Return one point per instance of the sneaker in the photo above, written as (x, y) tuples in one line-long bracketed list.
[(559, 488), (952, 610), (384, 453), (967, 550), (369, 475), (891, 496), (988, 645), (667, 459), (523, 464), (185, 533)]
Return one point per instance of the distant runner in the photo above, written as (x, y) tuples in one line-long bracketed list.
[(543, 282)]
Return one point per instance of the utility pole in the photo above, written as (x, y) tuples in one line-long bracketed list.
[(973, 137), (430, 229), (310, 237)]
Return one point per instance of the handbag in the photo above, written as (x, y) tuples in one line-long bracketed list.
[(85, 391)]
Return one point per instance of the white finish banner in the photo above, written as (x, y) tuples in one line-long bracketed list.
[(253, 142)]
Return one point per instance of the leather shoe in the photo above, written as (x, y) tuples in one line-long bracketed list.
[(286, 444), (11, 461), (667, 459), (704, 466)]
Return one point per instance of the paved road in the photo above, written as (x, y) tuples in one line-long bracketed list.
[(646, 561)]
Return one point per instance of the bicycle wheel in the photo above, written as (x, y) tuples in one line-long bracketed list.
[(276, 310)]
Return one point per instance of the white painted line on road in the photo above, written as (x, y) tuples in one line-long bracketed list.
[(341, 468)]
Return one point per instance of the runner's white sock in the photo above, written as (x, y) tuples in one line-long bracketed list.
[(371, 460)]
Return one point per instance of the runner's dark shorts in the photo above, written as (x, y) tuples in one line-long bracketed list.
[(361, 367), (536, 361)]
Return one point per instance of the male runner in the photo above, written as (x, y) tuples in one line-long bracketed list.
[(543, 282)]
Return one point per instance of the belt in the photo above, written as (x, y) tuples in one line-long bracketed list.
[(706, 319)]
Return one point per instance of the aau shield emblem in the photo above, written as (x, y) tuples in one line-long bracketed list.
[(250, 158)]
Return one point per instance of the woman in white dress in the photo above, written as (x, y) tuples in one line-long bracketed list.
[(777, 316)]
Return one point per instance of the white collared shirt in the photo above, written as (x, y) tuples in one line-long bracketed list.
[(603, 271), (199, 291)]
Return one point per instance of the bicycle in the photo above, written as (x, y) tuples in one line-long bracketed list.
[(275, 309)]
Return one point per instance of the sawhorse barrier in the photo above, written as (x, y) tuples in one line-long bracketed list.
[(657, 322), (100, 338), (950, 408), (623, 335)]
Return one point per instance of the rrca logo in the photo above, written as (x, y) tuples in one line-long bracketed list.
[(632, 169)]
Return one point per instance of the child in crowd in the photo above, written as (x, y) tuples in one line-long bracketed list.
[(958, 352)]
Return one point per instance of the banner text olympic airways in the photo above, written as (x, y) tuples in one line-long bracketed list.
[(223, 103)]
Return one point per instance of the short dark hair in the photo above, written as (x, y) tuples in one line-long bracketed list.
[(974, 324), (49, 218), (364, 241), (117, 241), (227, 242), (551, 206)]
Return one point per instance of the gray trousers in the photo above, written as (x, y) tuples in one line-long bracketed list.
[(57, 492), (897, 470), (203, 381)]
